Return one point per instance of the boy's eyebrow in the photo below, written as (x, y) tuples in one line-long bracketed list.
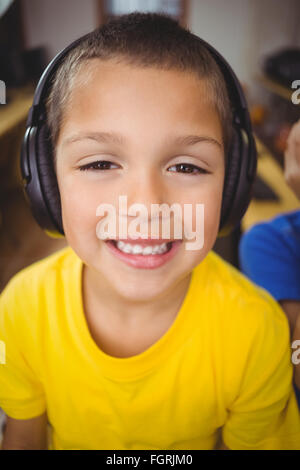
[(113, 137), (195, 139)]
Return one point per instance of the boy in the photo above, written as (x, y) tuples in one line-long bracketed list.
[(161, 350)]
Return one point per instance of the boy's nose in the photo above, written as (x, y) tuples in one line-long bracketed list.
[(146, 191)]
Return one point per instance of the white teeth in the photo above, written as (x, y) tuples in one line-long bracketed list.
[(137, 249), (140, 250), (127, 248), (147, 250)]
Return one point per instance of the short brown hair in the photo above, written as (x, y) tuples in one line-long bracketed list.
[(146, 40)]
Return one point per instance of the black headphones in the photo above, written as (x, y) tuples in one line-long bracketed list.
[(39, 179)]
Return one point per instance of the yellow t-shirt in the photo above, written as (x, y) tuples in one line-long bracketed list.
[(224, 365)]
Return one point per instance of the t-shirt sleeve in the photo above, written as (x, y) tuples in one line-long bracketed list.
[(264, 414), (269, 255), (21, 391)]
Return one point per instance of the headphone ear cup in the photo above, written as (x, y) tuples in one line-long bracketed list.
[(239, 179), (232, 175), (48, 180)]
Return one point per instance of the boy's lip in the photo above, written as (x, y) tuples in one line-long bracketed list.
[(145, 241), (140, 261)]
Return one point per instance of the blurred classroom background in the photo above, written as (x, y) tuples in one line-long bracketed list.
[(259, 38)]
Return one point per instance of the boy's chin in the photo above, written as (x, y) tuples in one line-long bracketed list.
[(140, 289)]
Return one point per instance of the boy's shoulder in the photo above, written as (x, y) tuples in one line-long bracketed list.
[(231, 280), (29, 280), (245, 317), (237, 296)]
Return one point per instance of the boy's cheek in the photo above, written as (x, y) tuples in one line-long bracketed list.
[(78, 215), (205, 231), (79, 210)]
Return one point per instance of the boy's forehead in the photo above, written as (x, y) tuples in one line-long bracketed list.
[(109, 86), (109, 92), (119, 72)]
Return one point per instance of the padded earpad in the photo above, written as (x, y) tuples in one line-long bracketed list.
[(232, 173), (47, 176)]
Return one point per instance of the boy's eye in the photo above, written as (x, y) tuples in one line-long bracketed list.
[(185, 168), (188, 168), (99, 165)]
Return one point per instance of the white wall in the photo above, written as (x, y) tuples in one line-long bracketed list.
[(242, 30), (56, 23), (245, 30)]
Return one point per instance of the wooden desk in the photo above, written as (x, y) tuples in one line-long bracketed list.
[(12, 126), (14, 112), (276, 87), (271, 172)]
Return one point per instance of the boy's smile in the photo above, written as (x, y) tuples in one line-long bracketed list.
[(144, 255), (159, 138)]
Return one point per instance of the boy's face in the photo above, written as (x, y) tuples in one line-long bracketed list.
[(150, 108)]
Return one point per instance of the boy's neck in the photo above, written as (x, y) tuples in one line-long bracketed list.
[(100, 297)]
